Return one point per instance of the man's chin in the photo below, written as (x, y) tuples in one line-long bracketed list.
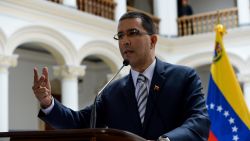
[(125, 57)]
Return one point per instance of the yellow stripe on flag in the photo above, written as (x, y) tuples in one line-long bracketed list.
[(225, 79)]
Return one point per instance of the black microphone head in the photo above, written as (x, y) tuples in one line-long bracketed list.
[(125, 62)]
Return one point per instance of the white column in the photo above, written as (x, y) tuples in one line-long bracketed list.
[(69, 92), (70, 3), (5, 63), (243, 12), (121, 8), (166, 10), (245, 79), (69, 79), (4, 100)]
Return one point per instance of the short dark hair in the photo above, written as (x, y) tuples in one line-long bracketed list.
[(147, 22)]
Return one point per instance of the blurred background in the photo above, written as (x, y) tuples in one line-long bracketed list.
[(74, 39)]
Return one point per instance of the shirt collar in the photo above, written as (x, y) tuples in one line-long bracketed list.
[(148, 73)]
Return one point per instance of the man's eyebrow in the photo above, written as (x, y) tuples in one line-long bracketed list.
[(131, 29)]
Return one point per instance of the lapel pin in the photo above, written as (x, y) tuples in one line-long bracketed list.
[(156, 88)]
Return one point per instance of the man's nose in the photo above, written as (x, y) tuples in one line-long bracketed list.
[(125, 42)]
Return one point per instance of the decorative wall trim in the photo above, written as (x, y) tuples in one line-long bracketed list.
[(8, 61), (69, 72)]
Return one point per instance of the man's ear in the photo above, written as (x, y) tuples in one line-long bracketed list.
[(153, 40)]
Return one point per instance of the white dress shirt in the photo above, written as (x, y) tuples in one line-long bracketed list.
[(148, 73)]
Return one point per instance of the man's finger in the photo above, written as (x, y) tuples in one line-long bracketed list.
[(35, 75), (40, 81), (46, 74), (41, 92), (42, 96), (37, 80)]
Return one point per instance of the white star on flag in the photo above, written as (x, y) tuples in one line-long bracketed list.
[(235, 138), (234, 129), (219, 108), (226, 113), (231, 120), (212, 106)]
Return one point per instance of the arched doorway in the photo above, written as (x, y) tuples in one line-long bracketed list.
[(23, 106)]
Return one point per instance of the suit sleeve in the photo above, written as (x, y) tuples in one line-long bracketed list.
[(62, 117), (196, 125)]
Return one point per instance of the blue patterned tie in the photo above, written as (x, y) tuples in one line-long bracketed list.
[(142, 95)]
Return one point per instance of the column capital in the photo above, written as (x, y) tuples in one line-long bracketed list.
[(66, 71), (7, 61), (244, 77)]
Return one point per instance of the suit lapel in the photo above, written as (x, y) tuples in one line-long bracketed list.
[(129, 94), (154, 91)]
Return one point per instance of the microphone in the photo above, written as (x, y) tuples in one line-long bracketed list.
[(93, 110)]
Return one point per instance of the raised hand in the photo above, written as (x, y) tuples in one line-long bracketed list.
[(41, 88)]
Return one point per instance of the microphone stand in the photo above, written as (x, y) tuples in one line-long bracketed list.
[(93, 110)]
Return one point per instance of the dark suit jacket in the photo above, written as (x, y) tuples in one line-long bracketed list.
[(177, 109)]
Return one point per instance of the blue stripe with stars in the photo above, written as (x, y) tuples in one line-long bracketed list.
[(226, 124)]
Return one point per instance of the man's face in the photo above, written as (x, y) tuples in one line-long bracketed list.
[(135, 44)]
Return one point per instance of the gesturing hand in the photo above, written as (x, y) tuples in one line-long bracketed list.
[(41, 88)]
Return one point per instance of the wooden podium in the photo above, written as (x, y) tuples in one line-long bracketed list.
[(98, 134)]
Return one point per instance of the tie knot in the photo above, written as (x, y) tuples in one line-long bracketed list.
[(141, 78)]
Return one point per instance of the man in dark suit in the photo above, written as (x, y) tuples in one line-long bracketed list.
[(157, 100)]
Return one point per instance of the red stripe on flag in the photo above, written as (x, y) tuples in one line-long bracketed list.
[(212, 136)]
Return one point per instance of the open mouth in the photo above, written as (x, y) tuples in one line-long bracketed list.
[(127, 52)]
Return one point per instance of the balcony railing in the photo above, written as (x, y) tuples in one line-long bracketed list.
[(103, 8), (188, 25), (57, 1), (155, 19), (201, 23)]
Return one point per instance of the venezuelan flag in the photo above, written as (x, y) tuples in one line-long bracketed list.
[(227, 109)]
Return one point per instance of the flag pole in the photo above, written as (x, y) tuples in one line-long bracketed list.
[(218, 17)]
